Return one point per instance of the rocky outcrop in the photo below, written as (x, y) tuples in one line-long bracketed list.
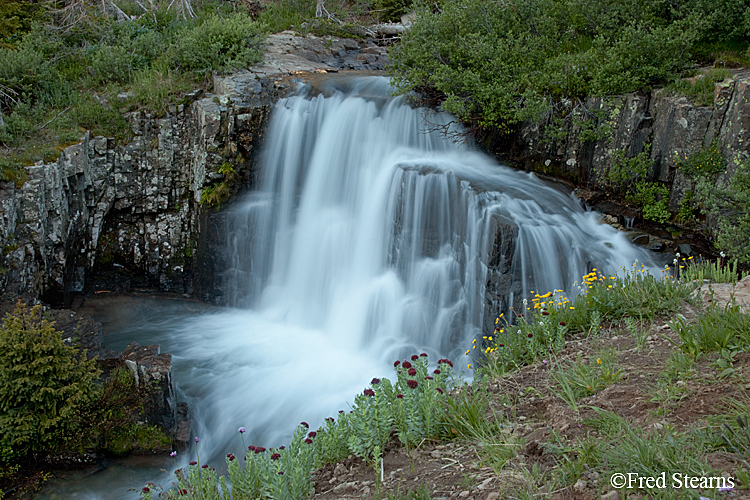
[(581, 146), (723, 295), (153, 372), (120, 216)]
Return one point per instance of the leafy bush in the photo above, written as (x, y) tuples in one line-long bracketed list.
[(24, 72), (653, 198), (729, 203), (497, 63), (219, 43), (44, 385), (112, 64)]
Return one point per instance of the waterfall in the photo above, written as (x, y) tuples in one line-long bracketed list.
[(371, 236)]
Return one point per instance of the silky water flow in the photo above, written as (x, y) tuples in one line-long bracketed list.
[(366, 241)]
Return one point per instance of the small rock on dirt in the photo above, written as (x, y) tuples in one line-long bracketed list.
[(612, 495)]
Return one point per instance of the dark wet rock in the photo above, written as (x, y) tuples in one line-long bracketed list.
[(153, 370)]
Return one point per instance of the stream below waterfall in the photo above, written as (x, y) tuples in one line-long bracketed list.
[(367, 240)]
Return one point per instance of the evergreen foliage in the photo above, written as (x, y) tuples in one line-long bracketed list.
[(44, 385)]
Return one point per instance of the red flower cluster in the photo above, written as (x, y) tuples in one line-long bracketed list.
[(231, 457), (428, 377), (400, 396), (275, 456), (412, 384), (446, 361), (312, 434), (439, 390), (193, 463), (375, 381), (412, 372), (396, 363), (436, 372), (423, 355), (308, 441), (414, 357), (305, 424), (369, 392), (406, 364)]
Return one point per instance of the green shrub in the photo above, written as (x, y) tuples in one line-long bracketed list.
[(705, 162), (220, 44), (653, 198), (24, 71), (729, 203), (112, 64), (44, 385), (497, 63)]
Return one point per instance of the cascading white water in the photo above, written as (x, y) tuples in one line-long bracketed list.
[(366, 241)]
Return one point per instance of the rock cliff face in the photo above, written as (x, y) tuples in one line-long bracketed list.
[(581, 148), (112, 216)]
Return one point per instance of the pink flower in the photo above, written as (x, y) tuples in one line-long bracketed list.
[(196, 439), (241, 430), (412, 383), (173, 454)]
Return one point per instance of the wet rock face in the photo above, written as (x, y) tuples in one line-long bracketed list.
[(500, 279), (153, 370)]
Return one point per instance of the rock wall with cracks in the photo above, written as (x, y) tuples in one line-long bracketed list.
[(581, 146), (118, 217)]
